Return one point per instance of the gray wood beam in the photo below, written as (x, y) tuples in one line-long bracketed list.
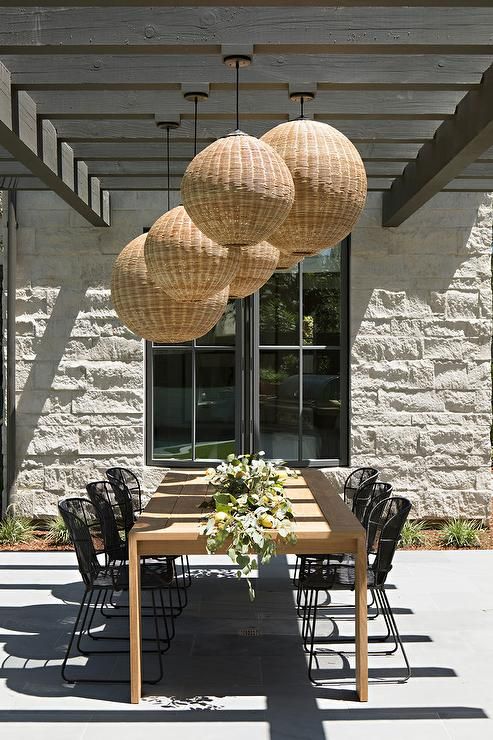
[(19, 135), (457, 143), (464, 30), (182, 151), (352, 71), (460, 185), (22, 183), (254, 3), (133, 131), (335, 104)]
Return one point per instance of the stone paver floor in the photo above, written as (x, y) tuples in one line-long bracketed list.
[(237, 670)]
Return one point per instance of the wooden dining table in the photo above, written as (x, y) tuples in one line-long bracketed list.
[(169, 525)]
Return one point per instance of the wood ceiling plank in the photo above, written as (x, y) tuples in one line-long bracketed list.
[(182, 152), (334, 104), (49, 30), (254, 3), (151, 72), (122, 130)]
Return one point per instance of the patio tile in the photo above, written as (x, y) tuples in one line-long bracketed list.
[(238, 669)]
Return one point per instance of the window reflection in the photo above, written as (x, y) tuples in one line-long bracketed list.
[(322, 298), (172, 407), (215, 401), (279, 309), (279, 403), (321, 404)]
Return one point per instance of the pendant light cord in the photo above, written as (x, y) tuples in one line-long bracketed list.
[(167, 160), (195, 114), (302, 107), (237, 95)]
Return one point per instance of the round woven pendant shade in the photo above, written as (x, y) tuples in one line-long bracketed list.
[(146, 309), (184, 262), (237, 191), (287, 260), (330, 185), (257, 264)]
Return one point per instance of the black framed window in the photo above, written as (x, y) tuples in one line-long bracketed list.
[(272, 375)]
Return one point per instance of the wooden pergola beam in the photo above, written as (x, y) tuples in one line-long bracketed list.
[(34, 144), (183, 29), (335, 104), (457, 143), (252, 3), (268, 71)]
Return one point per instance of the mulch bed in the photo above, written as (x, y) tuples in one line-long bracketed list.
[(39, 543)]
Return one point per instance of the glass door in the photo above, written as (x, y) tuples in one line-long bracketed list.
[(272, 375)]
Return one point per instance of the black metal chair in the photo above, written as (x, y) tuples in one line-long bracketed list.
[(359, 478), (126, 484), (84, 522), (384, 526), (116, 513), (130, 481)]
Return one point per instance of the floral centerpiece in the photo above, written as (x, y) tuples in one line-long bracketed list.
[(249, 506)]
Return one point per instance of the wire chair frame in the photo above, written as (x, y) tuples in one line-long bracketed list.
[(129, 479), (118, 478), (385, 522), (80, 516)]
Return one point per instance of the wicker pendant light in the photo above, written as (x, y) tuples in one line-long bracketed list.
[(146, 309), (330, 184), (238, 190), (257, 264), (184, 262), (287, 260)]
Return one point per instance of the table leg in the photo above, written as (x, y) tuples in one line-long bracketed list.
[(134, 597), (361, 622)]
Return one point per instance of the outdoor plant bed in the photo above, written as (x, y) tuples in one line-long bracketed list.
[(39, 543), (433, 535)]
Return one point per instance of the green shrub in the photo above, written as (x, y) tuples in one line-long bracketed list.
[(412, 534), (460, 533), (15, 530), (58, 533)]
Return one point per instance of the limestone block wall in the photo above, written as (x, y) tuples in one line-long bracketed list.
[(80, 395), (420, 355), (421, 352)]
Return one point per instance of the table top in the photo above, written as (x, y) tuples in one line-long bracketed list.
[(170, 521)]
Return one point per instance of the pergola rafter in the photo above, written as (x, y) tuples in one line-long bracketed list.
[(392, 77)]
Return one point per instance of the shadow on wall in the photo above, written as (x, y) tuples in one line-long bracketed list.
[(50, 349), (401, 272)]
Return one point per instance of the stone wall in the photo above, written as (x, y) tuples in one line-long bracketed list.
[(421, 356), (421, 327), (79, 382)]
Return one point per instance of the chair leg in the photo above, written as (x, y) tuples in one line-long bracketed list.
[(87, 595), (393, 625), (312, 636), (158, 642)]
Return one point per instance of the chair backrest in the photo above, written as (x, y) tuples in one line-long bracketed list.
[(356, 479), (126, 477), (380, 491), (362, 499), (105, 502), (125, 503), (80, 517), (384, 529)]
